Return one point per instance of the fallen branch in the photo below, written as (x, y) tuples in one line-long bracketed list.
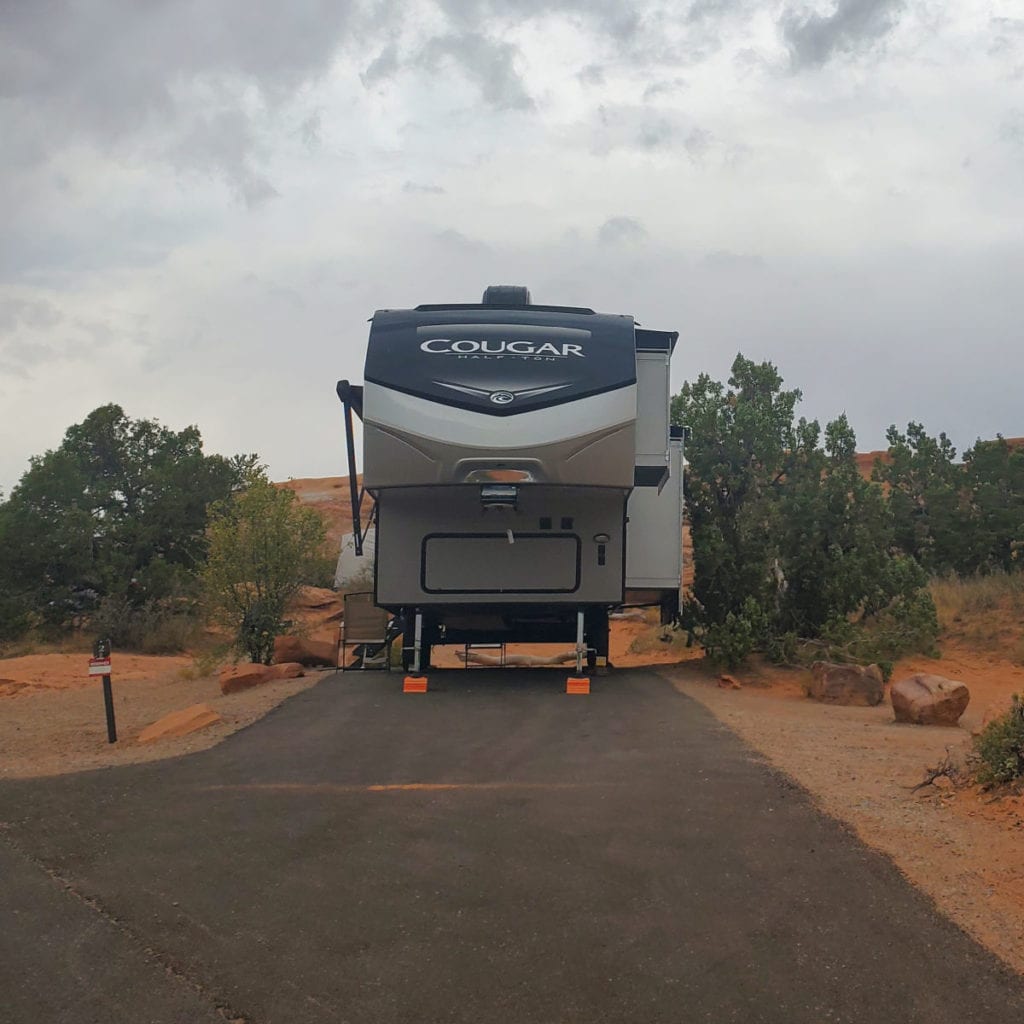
[(944, 769)]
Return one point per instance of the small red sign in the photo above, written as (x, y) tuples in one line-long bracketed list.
[(99, 666)]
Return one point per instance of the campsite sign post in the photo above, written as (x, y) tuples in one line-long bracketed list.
[(99, 665)]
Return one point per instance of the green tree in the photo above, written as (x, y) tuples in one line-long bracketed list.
[(955, 517), (994, 485), (117, 511), (263, 546), (931, 521), (790, 544), (742, 443)]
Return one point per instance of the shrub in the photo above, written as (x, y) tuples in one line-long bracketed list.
[(154, 627), (14, 619), (263, 546), (729, 642), (1000, 747)]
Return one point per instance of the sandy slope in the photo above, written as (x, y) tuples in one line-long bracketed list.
[(56, 724)]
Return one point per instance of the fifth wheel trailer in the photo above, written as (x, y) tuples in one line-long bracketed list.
[(523, 474)]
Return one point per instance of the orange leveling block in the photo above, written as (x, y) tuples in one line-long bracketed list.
[(577, 684), (415, 684)]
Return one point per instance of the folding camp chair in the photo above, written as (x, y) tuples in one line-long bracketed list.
[(365, 626)]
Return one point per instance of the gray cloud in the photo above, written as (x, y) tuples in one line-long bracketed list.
[(1007, 36), (708, 9), (225, 143), (652, 128), (488, 63), (854, 25), (33, 313), (725, 260), (133, 78), (452, 239), (656, 133), (109, 67), (309, 131), (663, 87), (36, 332), (1011, 129), (382, 67), (414, 188), (611, 17), (19, 357), (697, 143), (621, 231)]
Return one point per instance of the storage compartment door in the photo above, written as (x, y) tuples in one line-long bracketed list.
[(486, 563)]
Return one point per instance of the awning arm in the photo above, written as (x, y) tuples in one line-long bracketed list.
[(351, 396)]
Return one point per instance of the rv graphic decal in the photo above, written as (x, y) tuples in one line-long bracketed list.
[(491, 347), (501, 396)]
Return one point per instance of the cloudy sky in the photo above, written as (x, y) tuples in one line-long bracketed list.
[(202, 202)]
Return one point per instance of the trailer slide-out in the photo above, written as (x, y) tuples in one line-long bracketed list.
[(524, 476)]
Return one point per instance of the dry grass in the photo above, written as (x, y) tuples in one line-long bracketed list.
[(987, 612), (959, 596), (658, 638), (76, 643)]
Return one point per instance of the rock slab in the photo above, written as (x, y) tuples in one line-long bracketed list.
[(306, 652), (924, 699), (856, 685), (180, 723), (236, 678)]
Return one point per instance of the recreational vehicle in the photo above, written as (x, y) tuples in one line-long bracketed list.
[(524, 478)]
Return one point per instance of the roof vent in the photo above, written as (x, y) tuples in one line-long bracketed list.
[(506, 295)]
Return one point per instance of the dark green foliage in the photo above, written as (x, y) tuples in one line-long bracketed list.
[(925, 498), (1000, 747), (15, 618), (994, 486), (792, 547), (118, 511), (730, 641), (955, 517)]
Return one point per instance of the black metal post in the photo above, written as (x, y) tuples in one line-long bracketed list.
[(101, 649), (108, 703), (344, 393)]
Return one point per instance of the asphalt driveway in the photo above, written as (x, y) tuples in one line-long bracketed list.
[(491, 851)]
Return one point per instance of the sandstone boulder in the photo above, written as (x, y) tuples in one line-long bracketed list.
[(180, 723), (236, 678), (288, 670), (317, 599), (305, 652), (929, 700), (859, 685)]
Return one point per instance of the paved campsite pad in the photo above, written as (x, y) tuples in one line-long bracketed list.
[(493, 850)]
